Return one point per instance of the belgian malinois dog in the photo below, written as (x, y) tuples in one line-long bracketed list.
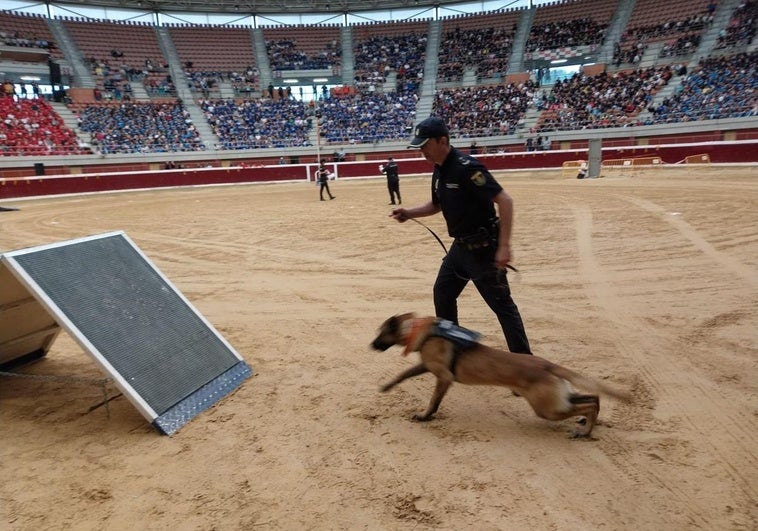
[(459, 357)]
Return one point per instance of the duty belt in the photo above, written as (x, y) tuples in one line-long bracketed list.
[(471, 246), (478, 239)]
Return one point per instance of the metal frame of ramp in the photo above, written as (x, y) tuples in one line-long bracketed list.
[(163, 355)]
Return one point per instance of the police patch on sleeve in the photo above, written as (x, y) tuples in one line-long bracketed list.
[(478, 178)]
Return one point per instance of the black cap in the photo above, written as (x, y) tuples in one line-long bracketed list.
[(432, 127)]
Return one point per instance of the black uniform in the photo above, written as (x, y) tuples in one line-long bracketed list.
[(464, 189), (393, 181), (322, 174)]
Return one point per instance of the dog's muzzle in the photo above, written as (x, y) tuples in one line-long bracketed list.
[(379, 344)]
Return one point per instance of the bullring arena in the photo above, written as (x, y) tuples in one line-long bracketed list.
[(194, 128), (645, 280)]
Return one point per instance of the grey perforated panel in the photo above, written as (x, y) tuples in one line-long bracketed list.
[(132, 316)]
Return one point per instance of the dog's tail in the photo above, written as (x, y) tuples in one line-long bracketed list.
[(589, 384)]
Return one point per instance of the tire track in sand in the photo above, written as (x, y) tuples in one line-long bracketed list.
[(690, 234), (645, 349)]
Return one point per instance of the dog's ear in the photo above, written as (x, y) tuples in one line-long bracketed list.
[(402, 317)]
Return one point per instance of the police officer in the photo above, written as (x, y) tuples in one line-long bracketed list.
[(466, 193), (393, 180)]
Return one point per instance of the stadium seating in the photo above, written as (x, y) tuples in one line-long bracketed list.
[(484, 110), (480, 42), (18, 29), (303, 48), (381, 49), (32, 128), (140, 127), (368, 117), (570, 24), (741, 28), (602, 101), (262, 124), (120, 52), (721, 87), (478, 45), (211, 54)]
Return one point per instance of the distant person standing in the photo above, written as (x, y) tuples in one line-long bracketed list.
[(393, 180), (582, 171), (322, 176)]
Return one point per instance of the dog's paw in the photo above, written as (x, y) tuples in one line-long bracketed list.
[(419, 417), (386, 387)]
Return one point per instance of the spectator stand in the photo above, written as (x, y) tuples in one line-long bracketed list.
[(31, 127), (568, 29), (601, 101), (139, 127), (481, 111), (480, 44), (219, 61), (259, 124), (740, 32), (304, 48), (396, 49), (27, 31), (121, 54), (667, 29), (720, 87), (367, 117)]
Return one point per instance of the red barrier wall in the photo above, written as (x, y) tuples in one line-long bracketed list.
[(77, 184), (726, 152)]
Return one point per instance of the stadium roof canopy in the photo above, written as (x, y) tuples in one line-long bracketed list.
[(278, 6)]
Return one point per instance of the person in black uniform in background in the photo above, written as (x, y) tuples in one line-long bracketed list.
[(393, 180), (466, 193), (322, 176)]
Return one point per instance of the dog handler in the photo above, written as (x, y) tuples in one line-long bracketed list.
[(393, 180), (322, 176), (465, 191)]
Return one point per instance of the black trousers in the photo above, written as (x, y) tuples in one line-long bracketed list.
[(461, 265), (324, 186), (393, 185)]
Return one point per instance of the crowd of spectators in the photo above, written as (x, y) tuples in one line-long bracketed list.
[(683, 45), (485, 110), (486, 50), (32, 127), (368, 117), (114, 77), (720, 87), (285, 55), (263, 123), (159, 85), (377, 56), (566, 33), (245, 83), (203, 82), (630, 52), (140, 127), (207, 84), (741, 28), (694, 24), (601, 101), (15, 38)]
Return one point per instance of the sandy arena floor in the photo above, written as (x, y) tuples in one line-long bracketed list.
[(648, 281)]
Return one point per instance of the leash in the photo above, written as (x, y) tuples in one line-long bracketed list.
[(509, 266), (432, 232)]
